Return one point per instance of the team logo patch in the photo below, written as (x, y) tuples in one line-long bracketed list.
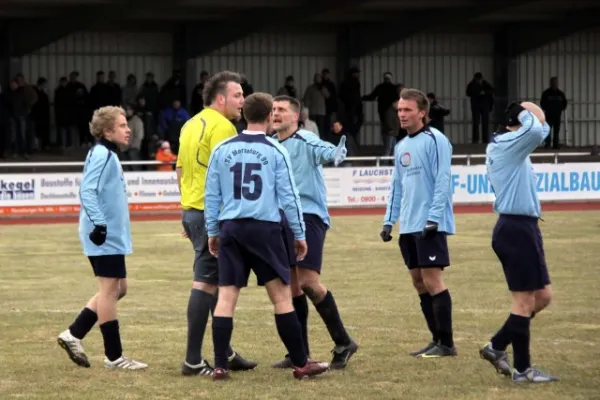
[(405, 159)]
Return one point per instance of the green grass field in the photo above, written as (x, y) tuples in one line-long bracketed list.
[(45, 281)]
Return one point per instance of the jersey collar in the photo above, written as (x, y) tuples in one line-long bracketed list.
[(246, 132), (289, 137), (108, 144), (423, 129)]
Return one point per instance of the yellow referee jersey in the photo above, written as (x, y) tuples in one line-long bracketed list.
[(199, 136)]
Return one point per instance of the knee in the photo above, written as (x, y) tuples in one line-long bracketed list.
[(418, 284), (206, 287), (433, 282), (122, 289), (543, 298), (314, 290), (523, 303)]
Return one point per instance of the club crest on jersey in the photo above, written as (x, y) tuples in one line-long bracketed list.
[(405, 159)]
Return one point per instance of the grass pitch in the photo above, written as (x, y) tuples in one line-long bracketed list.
[(45, 281)]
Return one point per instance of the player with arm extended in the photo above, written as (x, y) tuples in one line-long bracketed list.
[(249, 178), (223, 97), (421, 196), (105, 235), (308, 154), (517, 239)]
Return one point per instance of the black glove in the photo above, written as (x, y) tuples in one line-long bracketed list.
[(98, 235), (512, 113), (430, 228), (386, 233)]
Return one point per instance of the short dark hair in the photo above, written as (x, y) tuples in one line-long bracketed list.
[(258, 107), (217, 84), (294, 103), (418, 97)]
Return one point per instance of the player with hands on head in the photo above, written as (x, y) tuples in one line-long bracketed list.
[(249, 180), (308, 154), (105, 235), (421, 197), (517, 239)]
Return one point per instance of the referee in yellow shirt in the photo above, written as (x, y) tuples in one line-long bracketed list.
[(223, 99)]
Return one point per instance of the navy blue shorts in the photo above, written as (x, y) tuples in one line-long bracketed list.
[(517, 241), (251, 245), (424, 252), (316, 231)]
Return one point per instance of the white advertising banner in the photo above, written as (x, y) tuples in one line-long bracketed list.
[(52, 193)]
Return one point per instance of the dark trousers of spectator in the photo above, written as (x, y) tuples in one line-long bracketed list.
[(64, 135), (83, 128), (481, 116), (554, 136), (42, 132), (20, 142), (320, 121)]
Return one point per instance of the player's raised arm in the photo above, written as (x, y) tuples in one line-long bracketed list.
[(92, 182), (287, 195), (441, 170), (324, 152), (530, 134), (213, 196)]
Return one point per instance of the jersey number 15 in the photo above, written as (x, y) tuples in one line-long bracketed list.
[(247, 183)]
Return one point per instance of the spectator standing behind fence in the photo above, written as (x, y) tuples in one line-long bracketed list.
[(481, 93), (99, 92), (288, 89), (315, 97), (115, 92), (437, 112), (40, 114), (132, 151), (196, 102), (172, 120), (331, 102), (307, 123), (553, 102), (173, 90), (391, 125), (18, 119), (386, 93), (352, 112), (64, 137), (4, 123), (150, 92), (130, 90), (79, 113)]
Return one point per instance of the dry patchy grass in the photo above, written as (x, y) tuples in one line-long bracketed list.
[(45, 280)]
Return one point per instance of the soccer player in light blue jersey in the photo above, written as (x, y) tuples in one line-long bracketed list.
[(105, 235), (308, 154), (421, 196), (249, 178), (517, 239)]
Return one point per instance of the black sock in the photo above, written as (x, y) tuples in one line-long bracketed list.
[(501, 339), (442, 310), (427, 308), (301, 307), (290, 333), (328, 311), (83, 323), (212, 314), (520, 342), (112, 340), (197, 316), (222, 327), (532, 314)]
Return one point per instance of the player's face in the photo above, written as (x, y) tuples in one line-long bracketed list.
[(283, 117), (120, 133), (409, 114), (234, 101)]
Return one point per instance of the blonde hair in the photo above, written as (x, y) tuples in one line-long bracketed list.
[(420, 98), (104, 119)]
